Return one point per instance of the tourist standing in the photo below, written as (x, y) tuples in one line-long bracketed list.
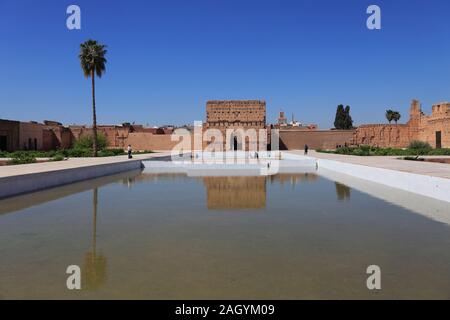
[(129, 150), (306, 149)]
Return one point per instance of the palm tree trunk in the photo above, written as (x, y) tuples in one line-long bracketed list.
[(94, 115)]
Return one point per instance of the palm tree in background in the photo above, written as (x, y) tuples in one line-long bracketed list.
[(396, 116), (93, 61), (392, 115), (389, 115)]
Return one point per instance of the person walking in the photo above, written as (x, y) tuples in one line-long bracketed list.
[(129, 150), (306, 149)]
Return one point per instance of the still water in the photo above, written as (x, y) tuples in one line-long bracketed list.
[(140, 235)]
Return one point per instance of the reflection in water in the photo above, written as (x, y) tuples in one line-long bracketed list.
[(293, 178), (297, 247), (129, 181), (238, 192), (342, 191), (31, 199), (94, 270), (235, 192)]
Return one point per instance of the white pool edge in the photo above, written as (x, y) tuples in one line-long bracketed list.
[(429, 186)]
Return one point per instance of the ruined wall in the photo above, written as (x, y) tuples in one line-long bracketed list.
[(115, 135), (315, 139), (9, 133), (419, 127), (237, 114), (121, 136), (31, 136), (241, 113), (438, 121), (149, 141), (49, 140), (383, 135), (56, 138)]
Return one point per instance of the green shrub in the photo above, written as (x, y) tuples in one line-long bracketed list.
[(57, 157), (419, 145), (365, 148), (21, 157), (344, 150), (77, 153), (106, 153), (361, 152), (87, 142), (439, 152), (117, 152), (415, 148)]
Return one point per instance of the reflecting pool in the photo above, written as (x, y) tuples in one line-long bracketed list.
[(169, 236)]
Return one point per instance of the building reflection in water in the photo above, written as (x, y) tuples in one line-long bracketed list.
[(238, 192), (342, 191), (293, 178), (235, 192), (247, 192), (94, 269)]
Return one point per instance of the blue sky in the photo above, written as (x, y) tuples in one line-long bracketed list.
[(167, 58)]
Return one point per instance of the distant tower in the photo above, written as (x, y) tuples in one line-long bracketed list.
[(282, 120), (415, 114)]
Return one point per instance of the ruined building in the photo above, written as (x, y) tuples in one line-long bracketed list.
[(434, 129), (236, 114)]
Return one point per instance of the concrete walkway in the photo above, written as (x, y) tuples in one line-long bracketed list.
[(427, 178), (71, 163), (19, 179), (440, 170)]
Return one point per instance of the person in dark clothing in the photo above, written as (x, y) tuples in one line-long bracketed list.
[(129, 150), (306, 149)]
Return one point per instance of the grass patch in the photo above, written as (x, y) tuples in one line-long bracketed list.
[(414, 150), (78, 152)]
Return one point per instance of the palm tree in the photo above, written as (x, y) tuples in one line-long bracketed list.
[(92, 58), (389, 115), (396, 116)]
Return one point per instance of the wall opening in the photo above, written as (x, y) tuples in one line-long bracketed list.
[(438, 140), (3, 143)]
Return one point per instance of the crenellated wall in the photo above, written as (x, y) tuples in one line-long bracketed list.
[(419, 127), (438, 121), (237, 114)]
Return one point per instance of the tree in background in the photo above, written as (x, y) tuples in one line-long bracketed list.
[(392, 115), (93, 61), (348, 121), (340, 117), (396, 116), (389, 115), (343, 120)]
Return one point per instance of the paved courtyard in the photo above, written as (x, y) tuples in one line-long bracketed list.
[(387, 162), (71, 163), (441, 170)]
